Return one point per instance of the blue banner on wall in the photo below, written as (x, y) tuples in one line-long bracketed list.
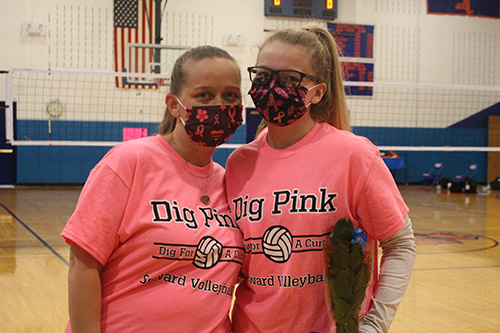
[(481, 8), (354, 40), (358, 72)]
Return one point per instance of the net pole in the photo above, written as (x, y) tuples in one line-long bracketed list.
[(9, 110)]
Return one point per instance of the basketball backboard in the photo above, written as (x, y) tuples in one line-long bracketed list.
[(151, 59)]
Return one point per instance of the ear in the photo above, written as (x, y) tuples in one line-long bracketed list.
[(318, 93), (173, 105)]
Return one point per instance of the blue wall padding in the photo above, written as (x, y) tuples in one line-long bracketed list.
[(56, 164), (418, 162), (71, 165), (455, 163), (410, 136), (76, 130)]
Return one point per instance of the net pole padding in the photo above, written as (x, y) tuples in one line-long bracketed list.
[(9, 110)]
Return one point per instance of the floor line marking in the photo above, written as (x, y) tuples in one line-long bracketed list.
[(47, 245)]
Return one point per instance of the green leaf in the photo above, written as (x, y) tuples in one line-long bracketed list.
[(361, 278), (343, 230), (352, 325), (346, 320), (356, 257), (340, 255), (359, 288), (357, 300), (343, 287), (342, 311), (331, 286)]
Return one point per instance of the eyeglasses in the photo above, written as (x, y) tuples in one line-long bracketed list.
[(286, 77)]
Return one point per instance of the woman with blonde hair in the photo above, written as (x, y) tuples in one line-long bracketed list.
[(302, 174)]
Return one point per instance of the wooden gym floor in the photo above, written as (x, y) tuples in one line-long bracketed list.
[(455, 286)]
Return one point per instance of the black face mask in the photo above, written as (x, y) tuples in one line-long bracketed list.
[(279, 105), (212, 125)]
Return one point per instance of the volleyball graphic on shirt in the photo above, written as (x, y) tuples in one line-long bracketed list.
[(208, 253), (277, 244)]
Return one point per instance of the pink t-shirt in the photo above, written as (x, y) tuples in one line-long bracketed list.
[(170, 261), (286, 203)]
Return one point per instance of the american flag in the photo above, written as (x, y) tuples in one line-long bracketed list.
[(133, 23)]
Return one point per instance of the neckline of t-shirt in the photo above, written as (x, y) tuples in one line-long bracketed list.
[(197, 171), (277, 154)]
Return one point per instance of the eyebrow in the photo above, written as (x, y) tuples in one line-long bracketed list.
[(212, 88)]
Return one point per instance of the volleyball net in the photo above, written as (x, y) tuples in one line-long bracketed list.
[(79, 108), (426, 117)]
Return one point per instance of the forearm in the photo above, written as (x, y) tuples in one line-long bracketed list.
[(397, 264), (84, 298)]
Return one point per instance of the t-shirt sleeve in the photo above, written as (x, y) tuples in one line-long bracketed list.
[(380, 207), (95, 222)]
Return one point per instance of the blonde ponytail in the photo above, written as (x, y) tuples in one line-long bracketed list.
[(334, 105)]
